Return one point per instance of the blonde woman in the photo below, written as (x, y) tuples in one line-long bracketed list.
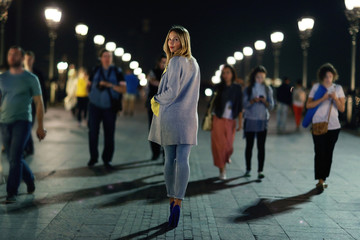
[(328, 107), (175, 120)]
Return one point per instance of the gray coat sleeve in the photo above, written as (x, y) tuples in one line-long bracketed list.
[(172, 88)]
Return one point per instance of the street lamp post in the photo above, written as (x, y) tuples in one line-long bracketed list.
[(276, 39), (260, 48), (248, 52), (239, 56), (53, 17), (305, 25), (4, 6), (81, 31), (352, 13)]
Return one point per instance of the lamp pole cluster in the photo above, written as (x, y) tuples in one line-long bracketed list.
[(4, 6), (305, 25)]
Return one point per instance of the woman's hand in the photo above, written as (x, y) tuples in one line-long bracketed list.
[(155, 107), (333, 96)]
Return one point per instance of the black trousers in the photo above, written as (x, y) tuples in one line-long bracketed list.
[(324, 147), (108, 119), (261, 138), (82, 104), (155, 148)]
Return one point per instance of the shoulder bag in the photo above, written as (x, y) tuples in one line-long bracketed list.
[(207, 122), (322, 127)]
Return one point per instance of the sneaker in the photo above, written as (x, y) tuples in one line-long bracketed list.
[(222, 176), (10, 199), (320, 187), (109, 166), (261, 175), (91, 163), (247, 173)]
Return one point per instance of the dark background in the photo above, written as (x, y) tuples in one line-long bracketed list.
[(217, 29)]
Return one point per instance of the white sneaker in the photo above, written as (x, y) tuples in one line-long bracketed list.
[(222, 176)]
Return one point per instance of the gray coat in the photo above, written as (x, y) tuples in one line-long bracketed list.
[(178, 96)]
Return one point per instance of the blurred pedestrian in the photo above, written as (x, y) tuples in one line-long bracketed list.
[(227, 107), (258, 100), (29, 61), (328, 107), (175, 122), (132, 83), (299, 98), (154, 77), (15, 119), (284, 102), (106, 86), (82, 95), (70, 101)]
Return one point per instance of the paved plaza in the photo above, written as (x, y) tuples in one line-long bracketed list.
[(74, 202)]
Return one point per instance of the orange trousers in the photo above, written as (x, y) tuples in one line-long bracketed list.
[(222, 140), (298, 114)]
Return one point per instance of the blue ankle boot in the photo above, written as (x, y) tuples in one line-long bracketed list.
[(174, 217)]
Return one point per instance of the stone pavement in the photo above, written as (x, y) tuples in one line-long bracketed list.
[(74, 202)]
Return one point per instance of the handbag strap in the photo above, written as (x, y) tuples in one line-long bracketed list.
[(212, 103), (331, 103)]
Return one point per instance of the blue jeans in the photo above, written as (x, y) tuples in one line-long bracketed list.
[(15, 136), (177, 169), (281, 115), (108, 118)]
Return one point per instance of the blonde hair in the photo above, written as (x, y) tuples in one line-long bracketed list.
[(185, 49)]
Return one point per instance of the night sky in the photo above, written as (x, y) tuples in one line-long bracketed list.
[(217, 29)]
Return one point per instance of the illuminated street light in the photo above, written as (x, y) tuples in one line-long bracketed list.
[(260, 48), (119, 52), (215, 80), (134, 65), (99, 40), (62, 66), (126, 57), (110, 46), (305, 26), (276, 39), (208, 92), (238, 56), (81, 32), (231, 60), (137, 71)]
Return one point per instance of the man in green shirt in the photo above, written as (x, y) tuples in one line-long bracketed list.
[(18, 88)]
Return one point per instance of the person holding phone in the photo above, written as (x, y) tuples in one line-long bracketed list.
[(258, 100), (18, 89), (328, 108)]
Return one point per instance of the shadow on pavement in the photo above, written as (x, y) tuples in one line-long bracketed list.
[(95, 171), (161, 229), (266, 207), (80, 195), (157, 193)]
